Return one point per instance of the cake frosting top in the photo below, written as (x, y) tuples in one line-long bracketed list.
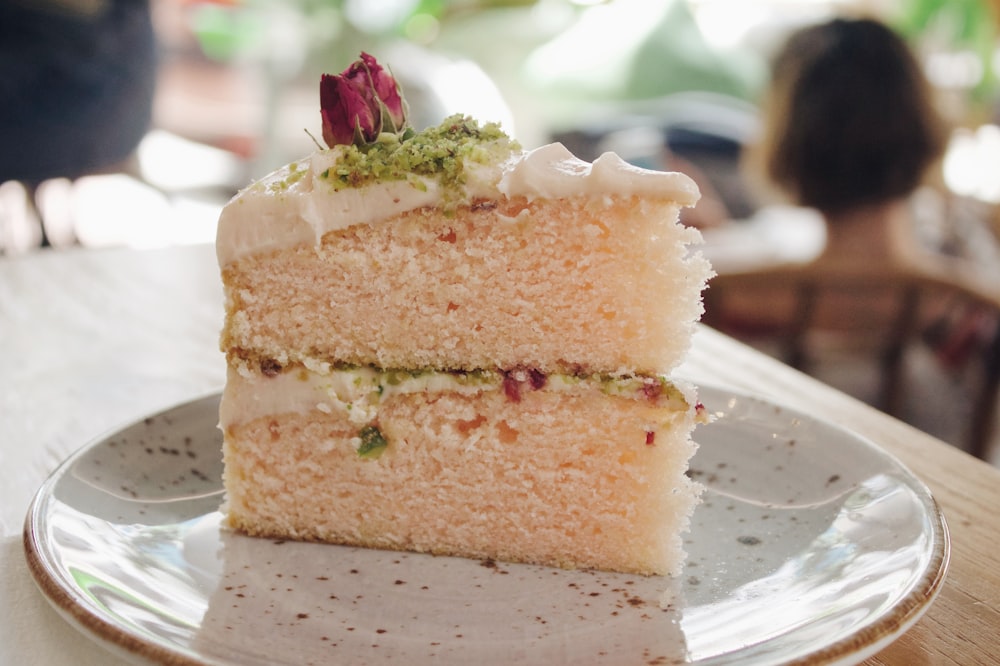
[(377, 167), (301, 202)]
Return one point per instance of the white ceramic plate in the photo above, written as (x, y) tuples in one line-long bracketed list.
[(811, 545)]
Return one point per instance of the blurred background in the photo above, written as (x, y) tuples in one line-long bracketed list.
[(136, 121), (233, 91)]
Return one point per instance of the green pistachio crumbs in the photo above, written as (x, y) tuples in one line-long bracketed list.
[(296, 172), (439, 152), (373, 442)]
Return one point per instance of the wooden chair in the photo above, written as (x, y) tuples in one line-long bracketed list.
[(802, 313)]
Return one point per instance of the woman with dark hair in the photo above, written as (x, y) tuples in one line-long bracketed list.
[(849, 130), (850, 127)]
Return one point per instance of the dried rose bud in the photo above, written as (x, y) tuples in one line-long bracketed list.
[(360, 103)]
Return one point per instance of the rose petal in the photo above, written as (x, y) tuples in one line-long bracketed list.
[(338, 127), (387, 89), (346, 113)]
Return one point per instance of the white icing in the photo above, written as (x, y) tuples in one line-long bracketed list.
[(296, 204), (553, 172)]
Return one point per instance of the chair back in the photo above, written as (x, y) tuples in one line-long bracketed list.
[(814, 314)]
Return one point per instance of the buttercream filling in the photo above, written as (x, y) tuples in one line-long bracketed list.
[(357, 393)]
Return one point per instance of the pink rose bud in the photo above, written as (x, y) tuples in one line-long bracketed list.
[(360, 103)]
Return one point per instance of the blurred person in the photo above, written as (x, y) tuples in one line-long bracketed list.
[(850, 129)]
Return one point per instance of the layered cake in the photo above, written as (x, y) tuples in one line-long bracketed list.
[(440, 342)]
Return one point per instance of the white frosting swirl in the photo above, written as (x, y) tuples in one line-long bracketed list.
[(553, 172), (296, 204)]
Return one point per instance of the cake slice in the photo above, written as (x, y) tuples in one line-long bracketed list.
[(440, 342)]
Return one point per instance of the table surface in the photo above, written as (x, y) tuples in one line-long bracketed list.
[(94, 339)]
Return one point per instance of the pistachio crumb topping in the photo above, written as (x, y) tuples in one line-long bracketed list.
[(441, 152), (295, 173)]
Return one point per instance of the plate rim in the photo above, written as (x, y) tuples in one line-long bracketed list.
[(859, 645), (68, 603), (907, 611)]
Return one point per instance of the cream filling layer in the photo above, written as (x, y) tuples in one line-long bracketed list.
[(296, 204), (358, 393)]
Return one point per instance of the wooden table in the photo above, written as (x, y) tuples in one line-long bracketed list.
[(94, 339)]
